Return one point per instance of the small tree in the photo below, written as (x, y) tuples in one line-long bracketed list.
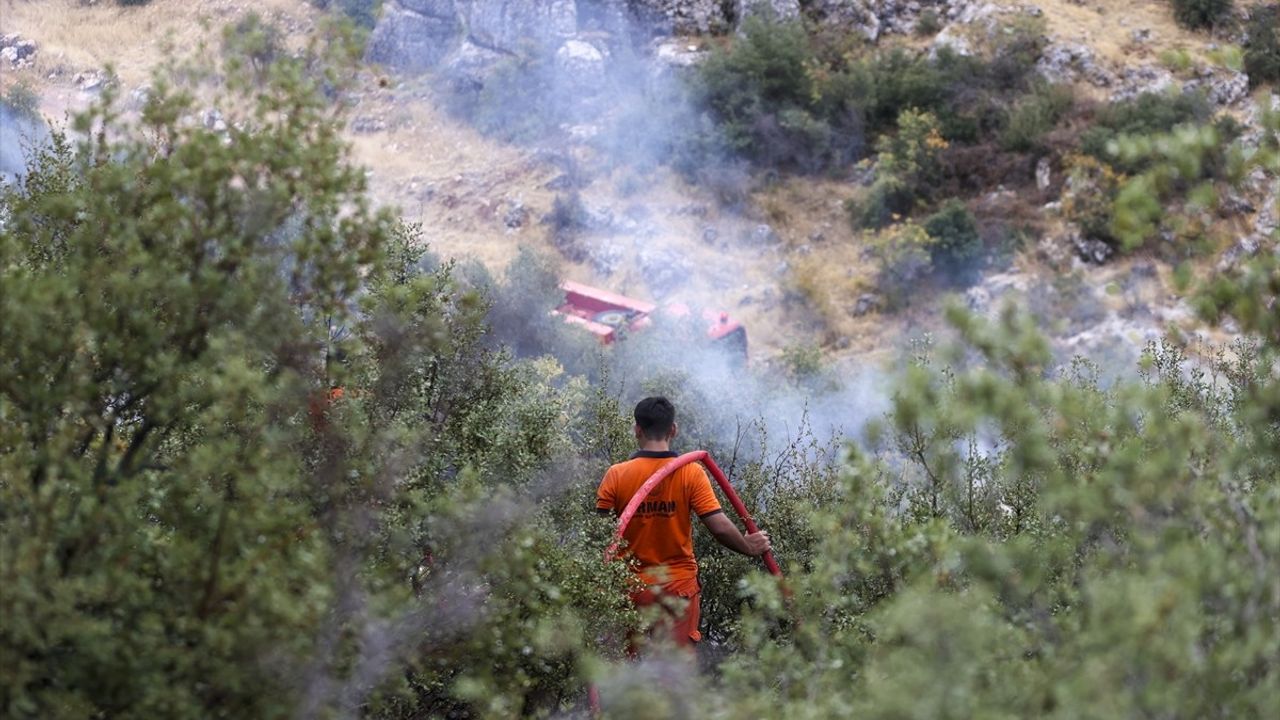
[(1262, 50), (1197, 14), (956, 241)]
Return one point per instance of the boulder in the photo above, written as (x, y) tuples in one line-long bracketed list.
[(867, 303), (581, 64), (1091, 250), (1044, 173)]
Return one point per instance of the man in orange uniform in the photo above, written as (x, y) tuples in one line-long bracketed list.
[(660, 536)]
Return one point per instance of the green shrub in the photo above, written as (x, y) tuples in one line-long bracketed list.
[(1034, 116), (1146, 114), (22, 100), (785, 98), (1197, 14), (956, 241), (1262, 51), (772, 106), (253, 40), (908, 168), (1090, 195), (1229, 56), (904, 254), (886, 201), (1178, 60), (929, 23)]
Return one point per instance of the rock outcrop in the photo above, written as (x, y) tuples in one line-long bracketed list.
[(17, 52), (680, 17), (415, 35)]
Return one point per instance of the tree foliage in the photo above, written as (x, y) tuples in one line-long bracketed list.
[(194, 522), (1197, 14)]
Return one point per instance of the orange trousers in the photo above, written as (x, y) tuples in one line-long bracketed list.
[(681, 625)]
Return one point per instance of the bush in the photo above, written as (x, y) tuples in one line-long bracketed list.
[(908, 168), (22, 101), (1146, 114), (884, 203), (1262, 51), (957, 243), (904, 253), (1089, 197), (253, 40), (774, 106), (929, 23), (1197, 14), (784, 98), (1177, 60), (1034, 116)]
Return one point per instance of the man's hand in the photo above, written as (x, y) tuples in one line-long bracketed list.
[(728, 535), (757, 543)]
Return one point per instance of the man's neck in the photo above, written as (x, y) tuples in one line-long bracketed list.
[(655, 446)]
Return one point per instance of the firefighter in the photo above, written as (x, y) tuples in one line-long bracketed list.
[(660, 536)]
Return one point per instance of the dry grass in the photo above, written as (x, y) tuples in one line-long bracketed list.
[(134, 39), (1107, 27)]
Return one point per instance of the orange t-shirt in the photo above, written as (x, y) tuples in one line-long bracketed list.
[(660, 535)]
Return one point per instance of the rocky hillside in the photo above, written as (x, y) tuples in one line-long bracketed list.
[(590, 130)]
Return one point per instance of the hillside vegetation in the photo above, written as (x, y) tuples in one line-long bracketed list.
[(268, 449)]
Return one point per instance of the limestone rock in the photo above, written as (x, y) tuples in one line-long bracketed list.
[(1135, 81), (16, 51), (951, 39), (676, 54), (859, 15), (867, 303), (1044, 173), (504, 25), (775, 9), (1223, 87), (1091, 250), (413, 36), (680, 17), (1068, 62), (664, 269), (580, 62)]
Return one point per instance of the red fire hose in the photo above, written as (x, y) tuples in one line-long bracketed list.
[(665, 471), (661, 474)]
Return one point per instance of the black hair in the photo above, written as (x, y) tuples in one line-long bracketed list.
[(655, 416)]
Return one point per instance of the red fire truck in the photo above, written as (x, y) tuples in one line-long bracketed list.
[(605, 314)]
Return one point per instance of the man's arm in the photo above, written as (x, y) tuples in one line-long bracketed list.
[(728, 535), (605, 494)]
